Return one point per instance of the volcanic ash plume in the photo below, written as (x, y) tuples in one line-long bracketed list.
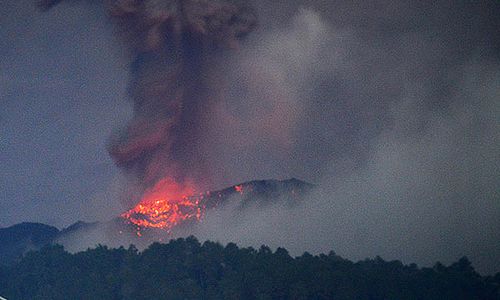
[(172, 43)]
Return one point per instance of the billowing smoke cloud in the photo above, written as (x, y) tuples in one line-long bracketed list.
[(173, 45), (395, 116), (391, 107)]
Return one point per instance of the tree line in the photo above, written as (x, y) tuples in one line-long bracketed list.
[(188, 269)]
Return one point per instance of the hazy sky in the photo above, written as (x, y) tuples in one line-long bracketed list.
[(62, 90), (392, 107)]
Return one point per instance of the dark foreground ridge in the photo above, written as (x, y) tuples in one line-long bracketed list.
[(186, 269), (18, 239)]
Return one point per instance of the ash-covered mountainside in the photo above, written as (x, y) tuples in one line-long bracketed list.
[(176, 217), (18, 239), (260, 192)]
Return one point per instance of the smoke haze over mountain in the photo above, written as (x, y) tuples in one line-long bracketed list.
[(391, 108), (173, 47)]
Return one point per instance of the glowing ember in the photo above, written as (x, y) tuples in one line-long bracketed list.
[(165, 205), (239, 188)]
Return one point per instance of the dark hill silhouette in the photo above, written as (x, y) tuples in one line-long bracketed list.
[(18, 239), (186, 269)]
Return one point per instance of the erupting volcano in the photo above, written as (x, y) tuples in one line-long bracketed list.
[(173, 45), (169, 204)]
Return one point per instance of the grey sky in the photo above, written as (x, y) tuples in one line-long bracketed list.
[(62, 89)]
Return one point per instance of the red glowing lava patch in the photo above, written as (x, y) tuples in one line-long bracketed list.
[(239, 188), (165, 205)]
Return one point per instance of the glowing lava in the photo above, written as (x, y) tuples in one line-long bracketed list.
[(170, 203), (239, 188), (165, 205)]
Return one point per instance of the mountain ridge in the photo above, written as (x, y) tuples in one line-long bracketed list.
[(20, 238)]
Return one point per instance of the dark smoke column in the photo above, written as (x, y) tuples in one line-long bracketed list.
[(173, 44)]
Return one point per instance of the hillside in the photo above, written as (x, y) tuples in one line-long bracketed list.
[(18, 239)]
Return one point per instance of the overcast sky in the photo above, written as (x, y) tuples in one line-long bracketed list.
[(62, 90), (392, 107)]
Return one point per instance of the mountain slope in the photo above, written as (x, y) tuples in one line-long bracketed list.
[(18, 239)]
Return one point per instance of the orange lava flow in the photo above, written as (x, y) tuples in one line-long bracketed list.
[(165, 205)]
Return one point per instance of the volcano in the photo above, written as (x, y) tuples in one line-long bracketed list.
[(157, 222), (168, 205)]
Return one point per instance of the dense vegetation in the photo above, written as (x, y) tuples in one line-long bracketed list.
[(186, 269)]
